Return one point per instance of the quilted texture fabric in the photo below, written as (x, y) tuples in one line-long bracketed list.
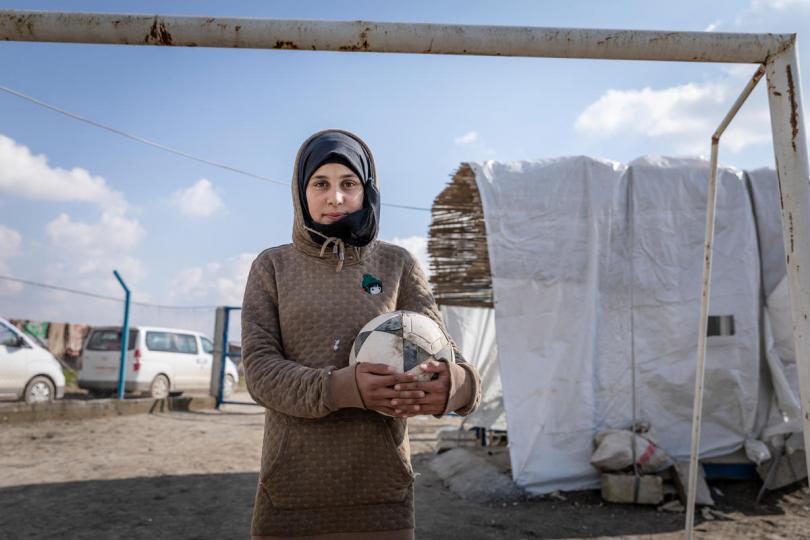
[(324, 469)]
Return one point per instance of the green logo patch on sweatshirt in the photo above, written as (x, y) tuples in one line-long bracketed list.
[(371, 284)]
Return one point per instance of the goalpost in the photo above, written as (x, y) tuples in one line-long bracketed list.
[(775, 53)]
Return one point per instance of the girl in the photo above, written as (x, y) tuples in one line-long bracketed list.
[(332, 467)]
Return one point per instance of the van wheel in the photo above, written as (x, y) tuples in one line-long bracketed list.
[(39, 390), (159, 389), (230, 384)]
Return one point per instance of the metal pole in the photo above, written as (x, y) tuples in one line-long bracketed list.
[(124, 337), (790, 148), (367, 36), (697, 406), (711, 205), (223, 358)]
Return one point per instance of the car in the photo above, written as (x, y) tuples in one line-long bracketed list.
[(160, 361), (28, 371)]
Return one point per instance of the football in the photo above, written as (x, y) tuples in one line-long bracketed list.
[(403, 340)]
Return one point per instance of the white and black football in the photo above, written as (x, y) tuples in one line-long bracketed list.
[(403, 340)]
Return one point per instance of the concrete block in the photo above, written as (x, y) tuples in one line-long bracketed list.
[(69, 409), (474, 477), (455, 438), (621, 488), (703, 495)]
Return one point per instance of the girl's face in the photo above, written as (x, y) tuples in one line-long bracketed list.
[(332, 192)]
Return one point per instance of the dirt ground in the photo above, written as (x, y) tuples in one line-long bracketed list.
[(193, 475)]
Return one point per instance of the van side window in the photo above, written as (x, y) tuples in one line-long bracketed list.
[(185, 344), (171, 342), (159, 341), (207, 346)]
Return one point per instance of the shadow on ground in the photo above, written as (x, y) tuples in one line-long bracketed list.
[(219, 506), (583, 514), (195, 506)]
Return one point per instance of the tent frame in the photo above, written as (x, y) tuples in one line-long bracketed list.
[(776, 52)]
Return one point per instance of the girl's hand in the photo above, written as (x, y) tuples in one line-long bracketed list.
[(436, 391), (375, 382)]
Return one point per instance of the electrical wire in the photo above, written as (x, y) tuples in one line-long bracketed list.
[(100, 296), (137, 138), (163, 147)]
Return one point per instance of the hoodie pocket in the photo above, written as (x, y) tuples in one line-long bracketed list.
[(339, 460)]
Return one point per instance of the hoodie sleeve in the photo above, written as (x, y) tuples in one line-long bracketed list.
[(465, 383), (274, 381)]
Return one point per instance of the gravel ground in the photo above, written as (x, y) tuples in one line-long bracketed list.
[(193, 475)]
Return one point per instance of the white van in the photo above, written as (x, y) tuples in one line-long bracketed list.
[(160, 361), (27, 370)]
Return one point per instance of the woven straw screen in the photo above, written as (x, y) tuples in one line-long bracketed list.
[(457, 245)]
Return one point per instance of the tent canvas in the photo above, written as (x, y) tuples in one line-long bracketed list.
[(596, 271), (473, 329)]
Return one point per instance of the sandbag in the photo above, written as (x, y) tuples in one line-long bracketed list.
[(615, 453)]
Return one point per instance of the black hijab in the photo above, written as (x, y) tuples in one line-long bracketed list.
[(360, 227)]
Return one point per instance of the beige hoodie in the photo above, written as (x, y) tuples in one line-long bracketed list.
[(328, 465)]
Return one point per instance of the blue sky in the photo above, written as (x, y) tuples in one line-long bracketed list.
[(184, 233)]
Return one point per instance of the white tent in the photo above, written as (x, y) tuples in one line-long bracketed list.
[(596, 272), (473, 329)]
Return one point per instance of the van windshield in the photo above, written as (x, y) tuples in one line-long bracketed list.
[(110, 340)]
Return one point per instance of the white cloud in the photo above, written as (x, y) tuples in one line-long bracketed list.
[(217, 283), (76, 248), (78, 253), (682, 116), (780, 4), (473, 146), (198, 200), (651, 112), (82, 269), (27, 175), (763, 6), (768, 16), (10, 241), (99, 246), (82, 255), (713, 26), (111, 233), (417, 245), (468, 138)]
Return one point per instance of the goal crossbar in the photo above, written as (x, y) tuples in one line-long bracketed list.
[(386, 37)]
